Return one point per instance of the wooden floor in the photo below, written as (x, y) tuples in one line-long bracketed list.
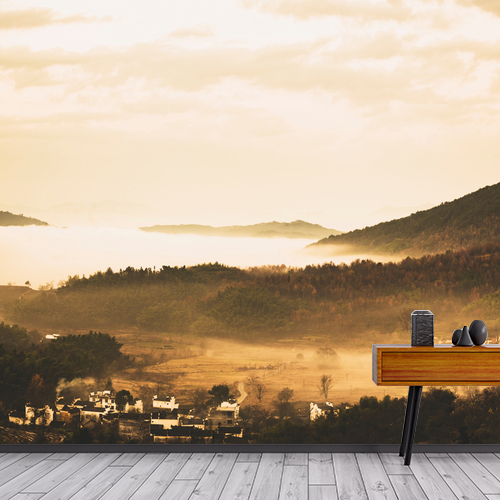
[(255, 476)]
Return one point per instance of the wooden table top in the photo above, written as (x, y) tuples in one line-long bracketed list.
[(442, 364)]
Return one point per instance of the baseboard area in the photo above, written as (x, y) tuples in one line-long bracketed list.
[(245, 448)]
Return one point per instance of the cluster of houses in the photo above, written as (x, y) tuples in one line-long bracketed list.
[(167, 422)]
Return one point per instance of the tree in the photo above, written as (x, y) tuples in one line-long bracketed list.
[(257, 386), (282, 404), (199, 399), (404, 319), (38, 397), (326, 356), (254, 417), (326, 353), (109, 385), (146, 394), (325, 384), (122, 398), (220, 393), (285, 395), (260, 389)]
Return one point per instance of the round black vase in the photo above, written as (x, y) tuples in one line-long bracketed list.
[(478, 332)]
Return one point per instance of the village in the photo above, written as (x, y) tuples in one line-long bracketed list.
[(167, 422)]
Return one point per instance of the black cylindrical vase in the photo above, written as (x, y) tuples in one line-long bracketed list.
[(422, 328)]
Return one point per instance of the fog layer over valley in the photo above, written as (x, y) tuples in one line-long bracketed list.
[(51, 254)]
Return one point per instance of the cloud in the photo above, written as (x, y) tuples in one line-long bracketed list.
[(38, 17), (443, 79), (492, 6), (305, 9), (200, 31)]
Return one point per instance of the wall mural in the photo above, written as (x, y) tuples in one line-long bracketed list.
[(211, 211)]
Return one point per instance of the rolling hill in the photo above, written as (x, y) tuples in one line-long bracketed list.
[(9, 219), (465, 222), (296, 229)]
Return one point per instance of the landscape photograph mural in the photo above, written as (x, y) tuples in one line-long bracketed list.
[(210, 212)]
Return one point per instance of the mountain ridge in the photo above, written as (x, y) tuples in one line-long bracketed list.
[(473, 219), (10, 219), (295, 230)]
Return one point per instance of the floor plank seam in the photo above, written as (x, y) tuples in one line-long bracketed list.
[(254, 477), (227, 478)]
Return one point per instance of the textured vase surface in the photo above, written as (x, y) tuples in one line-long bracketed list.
[(422, 328)]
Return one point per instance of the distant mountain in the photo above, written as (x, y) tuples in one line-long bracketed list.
[(469, 221), (101, 214), (8, 219), (296, 229)]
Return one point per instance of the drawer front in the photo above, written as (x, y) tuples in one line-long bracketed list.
[(440, 368)]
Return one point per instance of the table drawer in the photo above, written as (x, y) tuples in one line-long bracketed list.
[(435, 366)]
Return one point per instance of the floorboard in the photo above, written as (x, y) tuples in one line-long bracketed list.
[(268, 479), (490, 461), (19, 466), (99, 486), (127, 459), (135, 476), (249, 457), (248, 476), (20, 482), (407, 487), (479, 474), (213, 481), (294, 482), (430, 480), (322, 492), (377, 483), (74, 483), (321, 468), (179, 489), (196, 466), (60, 474), (240, 481), (9, 459), (394, 464), (456, 479), (160, 479), (295, 458), (349, 482)]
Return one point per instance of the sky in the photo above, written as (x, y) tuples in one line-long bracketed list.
[(242, 111)]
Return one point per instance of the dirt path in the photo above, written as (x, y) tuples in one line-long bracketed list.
[(243, 394)]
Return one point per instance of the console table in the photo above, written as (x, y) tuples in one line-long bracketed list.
[(443, 364)]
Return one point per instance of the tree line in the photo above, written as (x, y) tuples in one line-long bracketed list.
[(271, 302)]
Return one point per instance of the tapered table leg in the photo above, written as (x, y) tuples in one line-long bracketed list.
[(417, 395), (408, 413)]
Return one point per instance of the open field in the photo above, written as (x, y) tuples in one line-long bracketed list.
[(216, 361), (182, 364)]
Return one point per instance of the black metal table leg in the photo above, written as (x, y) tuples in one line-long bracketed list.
[(408, 412), (417, 395)]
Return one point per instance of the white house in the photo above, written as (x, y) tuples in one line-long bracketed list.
[(46, 417), (137, 407), (315, 411), (163, 420), (168, 404), (103, 399)]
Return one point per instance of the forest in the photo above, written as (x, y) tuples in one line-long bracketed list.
[(94, 354), (214, 300), (444, 417), (466, 222)]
